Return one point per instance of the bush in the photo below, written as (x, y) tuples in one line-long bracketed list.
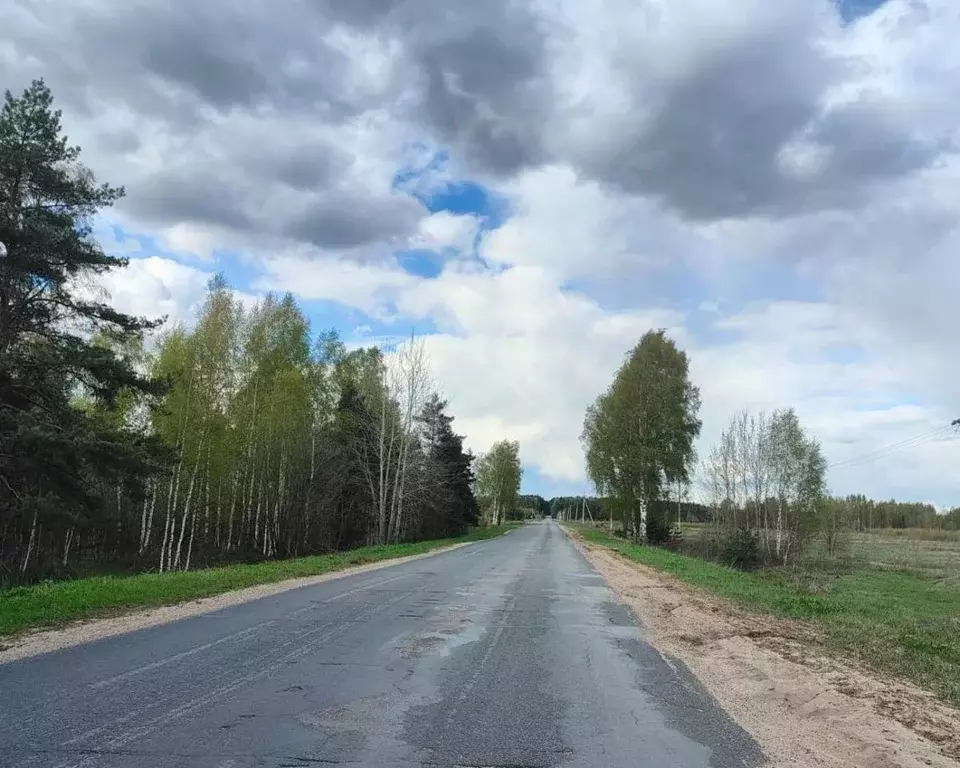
[(658, 531), (675, 540), (741, 550)]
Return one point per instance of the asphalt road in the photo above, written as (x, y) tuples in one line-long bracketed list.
[(509, 652)]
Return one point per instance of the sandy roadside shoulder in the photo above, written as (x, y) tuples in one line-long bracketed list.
[(34, 642), (803, 707)]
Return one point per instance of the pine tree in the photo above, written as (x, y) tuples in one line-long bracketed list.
[(57, 459)]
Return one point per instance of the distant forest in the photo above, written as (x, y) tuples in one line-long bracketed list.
[(860, 513)]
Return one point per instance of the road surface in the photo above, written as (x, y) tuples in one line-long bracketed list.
[(509, 652)]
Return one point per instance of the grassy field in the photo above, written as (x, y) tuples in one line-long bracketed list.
[(54, 603), (892, 603)]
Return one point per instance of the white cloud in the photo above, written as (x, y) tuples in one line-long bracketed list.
[(444, 230), (580, 228), (369, 287), (156, 287), (854, 396)]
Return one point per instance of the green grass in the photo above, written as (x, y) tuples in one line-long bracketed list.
[(54, 603), (901, 622)]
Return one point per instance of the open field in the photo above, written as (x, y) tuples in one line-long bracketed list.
[(52, 604), (922, 551), (931, 554), (892, 603)]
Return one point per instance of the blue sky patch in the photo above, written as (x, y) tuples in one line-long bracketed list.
[(468, 197), (851, 10), (421, 262)]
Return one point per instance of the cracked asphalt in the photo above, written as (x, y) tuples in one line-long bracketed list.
[(510, 652)]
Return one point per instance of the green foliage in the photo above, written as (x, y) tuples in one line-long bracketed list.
[(572, 507), (238, 437), (657, 530), (498, 477), (675, 538), (741, 549), (59, 463), (443, 448), (535, 506), (766, 475), (639, 434), (863, 514)]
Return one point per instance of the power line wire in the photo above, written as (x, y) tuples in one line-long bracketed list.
[(887, 450)]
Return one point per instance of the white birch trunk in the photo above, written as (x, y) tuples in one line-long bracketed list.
[(66, 546), (233, 505), (33, 537), (143, 516), (186, 511), (193, 530)]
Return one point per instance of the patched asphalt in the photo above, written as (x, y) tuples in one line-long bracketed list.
[(510, 652)]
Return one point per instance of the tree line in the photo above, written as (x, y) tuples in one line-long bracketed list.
[(240, 437), (863, 514), (764, 482)]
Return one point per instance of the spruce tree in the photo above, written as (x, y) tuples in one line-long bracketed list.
[(444, 448)]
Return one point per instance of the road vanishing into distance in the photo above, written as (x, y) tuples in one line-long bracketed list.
[(509, 652)]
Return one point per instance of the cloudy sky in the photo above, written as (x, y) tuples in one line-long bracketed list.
[(533, 185)]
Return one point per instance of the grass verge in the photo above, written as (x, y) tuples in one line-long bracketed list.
[(54, 603), (896, 622)]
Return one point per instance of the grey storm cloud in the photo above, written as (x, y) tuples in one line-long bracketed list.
[(177, 64), (346, 221), (190, 194), (480, 70), (224, 55), (488, 94), (477, 77), (708, 136), (709, 143)]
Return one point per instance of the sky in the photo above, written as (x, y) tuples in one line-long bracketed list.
[(531, 186)]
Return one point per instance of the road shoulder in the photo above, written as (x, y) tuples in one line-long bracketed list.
[(802, 707)]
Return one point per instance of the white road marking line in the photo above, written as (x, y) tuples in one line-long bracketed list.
[(365, 587), (176, 657), (192, 705)]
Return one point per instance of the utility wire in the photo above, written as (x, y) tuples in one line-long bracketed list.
[(880, 453)]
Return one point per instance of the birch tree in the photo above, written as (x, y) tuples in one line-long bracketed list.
[(499, 474), (766, 476), (638, 435)]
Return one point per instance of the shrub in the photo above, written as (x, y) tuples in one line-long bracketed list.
[(658, 530), (675, 539), (741, 550)]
